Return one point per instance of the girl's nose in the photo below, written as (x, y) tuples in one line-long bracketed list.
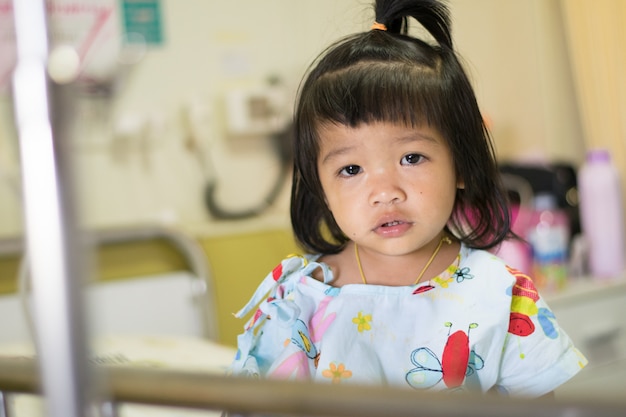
[(386, 189)]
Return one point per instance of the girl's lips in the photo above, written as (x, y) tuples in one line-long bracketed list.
[(393, 228)]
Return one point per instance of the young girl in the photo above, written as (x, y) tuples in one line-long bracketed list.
[(396, 197)]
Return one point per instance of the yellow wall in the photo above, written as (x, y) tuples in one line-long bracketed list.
[(111, 262), (239, 263)]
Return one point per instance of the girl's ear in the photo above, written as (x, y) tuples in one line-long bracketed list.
[(460, 184)]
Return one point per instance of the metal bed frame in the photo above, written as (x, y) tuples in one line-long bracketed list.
[(252, 397)]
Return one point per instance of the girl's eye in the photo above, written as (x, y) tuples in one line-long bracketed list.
[(350, 171), (412, 159)]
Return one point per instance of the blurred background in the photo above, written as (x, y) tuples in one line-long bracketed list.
[(182, 113), (154, 124)]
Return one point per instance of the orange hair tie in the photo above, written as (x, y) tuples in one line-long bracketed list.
[(378, 26)]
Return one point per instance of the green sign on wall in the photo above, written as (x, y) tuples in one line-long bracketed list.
[(143, 17)]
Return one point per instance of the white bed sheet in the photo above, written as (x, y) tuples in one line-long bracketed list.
[(166, 352)]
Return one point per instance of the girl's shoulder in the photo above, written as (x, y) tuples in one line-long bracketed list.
[(488, 266), (299, 265), (480, 257), (287, 274), (495, 274)]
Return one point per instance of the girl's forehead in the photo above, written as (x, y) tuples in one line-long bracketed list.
[(331, 132)]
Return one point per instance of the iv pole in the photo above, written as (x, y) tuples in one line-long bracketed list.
[(40, 110)]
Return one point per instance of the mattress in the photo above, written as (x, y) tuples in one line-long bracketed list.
[(165, 352)]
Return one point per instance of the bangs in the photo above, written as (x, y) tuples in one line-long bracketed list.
[(367, 92)]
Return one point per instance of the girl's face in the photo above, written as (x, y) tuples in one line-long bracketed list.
[(391, 188)]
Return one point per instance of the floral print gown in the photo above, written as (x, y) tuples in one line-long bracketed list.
[(480, 325)]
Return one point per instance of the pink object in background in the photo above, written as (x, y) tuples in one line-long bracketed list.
[(602, 216), (517, 252)]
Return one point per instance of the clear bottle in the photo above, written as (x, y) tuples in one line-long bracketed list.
[(549, 238), (601, 215)]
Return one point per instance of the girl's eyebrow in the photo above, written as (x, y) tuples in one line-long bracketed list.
[(409, 138), (336, 152), (416, 137)]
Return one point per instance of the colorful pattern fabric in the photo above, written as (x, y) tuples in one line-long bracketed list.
[(480, 325)]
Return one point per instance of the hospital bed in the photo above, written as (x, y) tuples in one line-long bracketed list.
[(163, 320)]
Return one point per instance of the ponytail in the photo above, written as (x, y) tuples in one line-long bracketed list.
[(433, 15)]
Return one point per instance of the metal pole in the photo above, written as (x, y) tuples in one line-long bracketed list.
[(4, 407), (49, 226)]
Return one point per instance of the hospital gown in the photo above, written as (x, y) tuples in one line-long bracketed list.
[(478, 326)]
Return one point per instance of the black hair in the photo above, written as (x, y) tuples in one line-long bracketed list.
[(389, 76)]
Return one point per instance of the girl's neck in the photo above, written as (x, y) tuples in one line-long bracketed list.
[(380, 269)]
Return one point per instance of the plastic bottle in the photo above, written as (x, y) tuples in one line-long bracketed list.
[(549, 237), (601, 215)]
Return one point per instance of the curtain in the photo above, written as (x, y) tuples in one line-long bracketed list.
[(596, 36)]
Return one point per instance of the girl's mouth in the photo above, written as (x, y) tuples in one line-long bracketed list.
[(390, 224), (393, 228)]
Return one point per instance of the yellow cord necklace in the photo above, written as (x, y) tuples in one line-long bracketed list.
[(445, 239)]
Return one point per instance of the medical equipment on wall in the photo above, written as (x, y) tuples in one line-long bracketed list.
[(261, 112), (282, 146)]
